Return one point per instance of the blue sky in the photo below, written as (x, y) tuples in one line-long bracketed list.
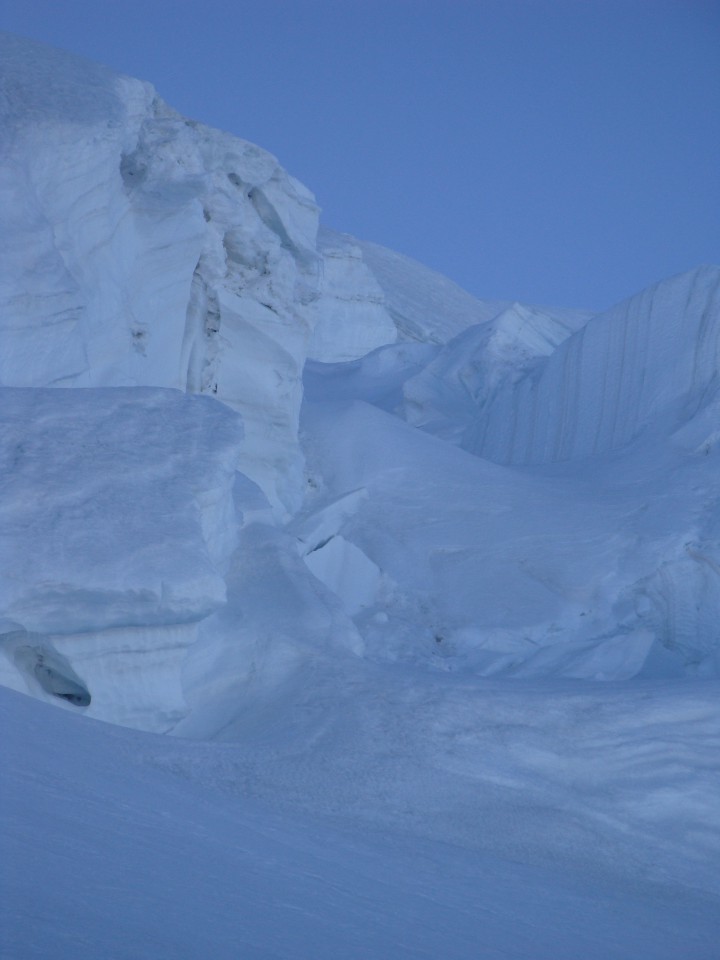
[(563, 152)]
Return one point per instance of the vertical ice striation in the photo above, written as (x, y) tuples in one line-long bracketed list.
[(446, 397), (653, 359), (141, 248)]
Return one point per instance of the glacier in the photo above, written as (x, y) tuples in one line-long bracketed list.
[(399, 605)]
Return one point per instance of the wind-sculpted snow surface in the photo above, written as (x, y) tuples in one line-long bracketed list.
[(274, 847)]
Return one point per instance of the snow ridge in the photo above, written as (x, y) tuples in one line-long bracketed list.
[(654, 358)]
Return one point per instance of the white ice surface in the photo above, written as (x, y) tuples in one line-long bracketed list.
[(142, 248), (117, 524), (116, 507), (350, 316), (433, 705), (651, 361)]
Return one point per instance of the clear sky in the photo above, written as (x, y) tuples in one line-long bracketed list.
[(553, 151)]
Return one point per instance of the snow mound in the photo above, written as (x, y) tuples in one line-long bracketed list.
[(117, 525)]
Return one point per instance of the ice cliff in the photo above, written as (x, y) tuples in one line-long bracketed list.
[(141, 248), (117, 525), (652, 360), (242, 453)]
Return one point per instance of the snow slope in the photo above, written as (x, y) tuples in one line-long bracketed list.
[(118, 843), (426, 588), (427, 306)]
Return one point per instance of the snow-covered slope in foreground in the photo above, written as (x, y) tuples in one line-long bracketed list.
[(123, 845)]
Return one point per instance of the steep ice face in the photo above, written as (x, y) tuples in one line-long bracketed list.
[(653, 360), (446, 397), (351, 317), (117, 524), (140, 248)]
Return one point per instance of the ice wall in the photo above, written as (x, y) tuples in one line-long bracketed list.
[(351, 316), (447, 396), (117, 524), (156, 267), (654, 360), (141, 248)]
